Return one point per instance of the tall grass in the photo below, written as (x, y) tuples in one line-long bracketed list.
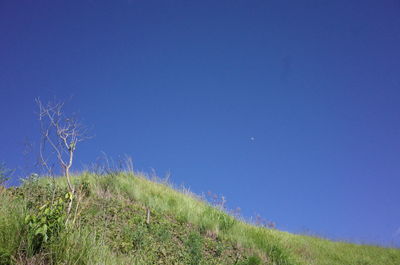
[(189, 208), (279, 247), (80, 246), (12, 232), (86, 245)]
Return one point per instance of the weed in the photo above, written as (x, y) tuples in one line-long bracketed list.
[(139, 236), (46, 222), (195, 248)]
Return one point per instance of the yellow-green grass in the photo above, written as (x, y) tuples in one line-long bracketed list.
[(272, 246)]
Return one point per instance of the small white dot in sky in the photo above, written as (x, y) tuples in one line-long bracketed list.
[(252, 138)]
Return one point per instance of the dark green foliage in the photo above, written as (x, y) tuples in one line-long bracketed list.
[(194, 244), (45, 222), (139, 236), (5, 257)]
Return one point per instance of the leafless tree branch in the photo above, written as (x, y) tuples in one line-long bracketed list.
[(62, 134)]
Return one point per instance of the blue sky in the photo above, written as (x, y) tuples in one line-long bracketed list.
[(290, 109)]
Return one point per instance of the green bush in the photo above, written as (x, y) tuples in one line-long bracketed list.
[(44, 223)]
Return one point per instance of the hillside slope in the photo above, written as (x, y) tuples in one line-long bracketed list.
[(124, 218)]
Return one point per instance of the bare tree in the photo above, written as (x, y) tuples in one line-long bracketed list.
[(60, 134)]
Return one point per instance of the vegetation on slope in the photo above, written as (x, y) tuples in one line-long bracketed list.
[(124, 218)]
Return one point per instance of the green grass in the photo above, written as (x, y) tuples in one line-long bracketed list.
[(110, 228)]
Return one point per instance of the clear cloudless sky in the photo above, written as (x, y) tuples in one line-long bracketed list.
[(290, 109)]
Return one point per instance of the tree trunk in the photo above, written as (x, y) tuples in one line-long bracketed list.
[(70, 187), (71, 190)]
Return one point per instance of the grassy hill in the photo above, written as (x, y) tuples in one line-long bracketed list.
[(124, 218)]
